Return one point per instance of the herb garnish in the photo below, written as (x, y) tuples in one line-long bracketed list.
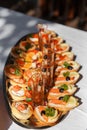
[(28, 99), (29, 88), (28, 45), (66, 64), (17, 72), (66, 74), (49, 111), (30, 35), (64, 86), (66, 98)]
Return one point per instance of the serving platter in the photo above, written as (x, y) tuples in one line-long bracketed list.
[(65, 70)]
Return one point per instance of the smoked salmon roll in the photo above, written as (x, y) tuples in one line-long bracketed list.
[(17, 92), (65, 56), (26, 45), (33, 38), (57, 40), (13, 71), (61, 90), (17, 52), (64, 47), (65, 103), (68, 65), (67, 77), (45, 114), (21, 110), (20, 82)]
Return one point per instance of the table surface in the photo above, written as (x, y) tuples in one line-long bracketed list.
[(13, 26)]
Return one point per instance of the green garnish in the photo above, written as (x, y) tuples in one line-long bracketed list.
[(28, 45), (66, 98), (66, 64), (30, 35), (64, 86), (66, 74), (29, 88), (49, 111), (17, 72), (28, 99)]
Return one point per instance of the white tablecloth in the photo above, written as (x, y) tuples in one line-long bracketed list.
[(13, 26)]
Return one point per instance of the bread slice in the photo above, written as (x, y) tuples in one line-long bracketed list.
[(61, 90), (42, 118), (33, 38), (21, 110), (26, 45), (13, 71), (67, 77), (13, 83), (62, 105), (17, 52), (70, 65), (57, 40), (17, 93), (65, 56), (61, 48)]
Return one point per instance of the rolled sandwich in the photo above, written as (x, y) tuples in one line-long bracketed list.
[(17, 92), (21, 110), (33, 38), (65, 103), (65, 56), (19, 82), (45, 114), (17, 52), (13, 72), (57, 40), (67, 77), (61, 90), (69, 65), (26, 45), (61, 48)]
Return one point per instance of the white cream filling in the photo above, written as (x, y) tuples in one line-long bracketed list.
[(33, 65), (34, 57), (18, 93), (26, 110), (23, 111), (34, 39)]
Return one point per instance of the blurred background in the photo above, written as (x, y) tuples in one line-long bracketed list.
[(72, 13)]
